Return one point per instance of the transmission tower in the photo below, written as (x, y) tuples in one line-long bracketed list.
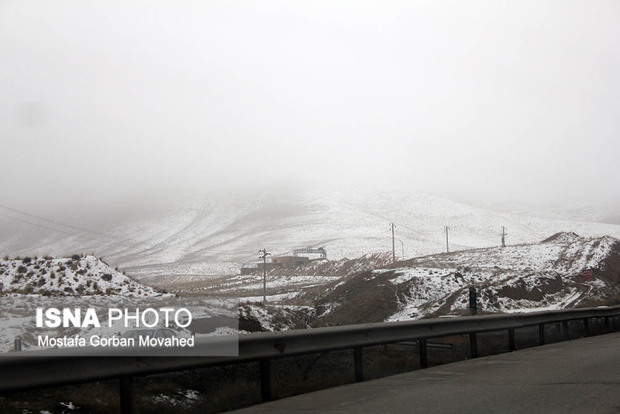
[(504, 236), (447, 229)]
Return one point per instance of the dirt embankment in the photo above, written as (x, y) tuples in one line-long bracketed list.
[(544, 286), (365, 298)]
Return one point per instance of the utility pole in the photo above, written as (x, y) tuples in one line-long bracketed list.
[(392, 226), (473, 300), (447, 245), (263, 256), (503, 236)]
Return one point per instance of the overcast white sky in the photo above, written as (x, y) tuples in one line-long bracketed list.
[(496, 100)]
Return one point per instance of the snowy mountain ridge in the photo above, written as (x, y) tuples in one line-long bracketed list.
[(218, 235)]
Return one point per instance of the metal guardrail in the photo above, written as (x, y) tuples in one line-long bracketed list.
[(62, 367)]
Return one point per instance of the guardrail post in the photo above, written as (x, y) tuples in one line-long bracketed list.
[(423, 353), (511, 339), (473, 345), (566, 331), (265, 380), (359, 363), (541, 333), (126, 395), (586, 325)]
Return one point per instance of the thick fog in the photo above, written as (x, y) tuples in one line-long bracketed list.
[(486, 102)]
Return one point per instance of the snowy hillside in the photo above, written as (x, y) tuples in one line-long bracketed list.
[(219, 235), (547, 275), (77, 275)]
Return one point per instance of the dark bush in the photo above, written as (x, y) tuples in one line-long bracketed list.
[(107, 277), (26, 260), (21, 269), (76, 257)]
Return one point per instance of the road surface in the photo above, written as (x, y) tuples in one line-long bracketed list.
[(579, 376)]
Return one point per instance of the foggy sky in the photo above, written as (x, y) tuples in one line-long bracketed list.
[(514, 101)]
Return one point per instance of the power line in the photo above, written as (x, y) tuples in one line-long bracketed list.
[(70, 226), (53, 221), (37, 225), (122, 242), (65, 228)]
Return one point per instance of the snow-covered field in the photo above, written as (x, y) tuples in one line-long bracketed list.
[(283, 285), (238, 284)]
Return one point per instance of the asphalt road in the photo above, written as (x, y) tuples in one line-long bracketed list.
[(579, 376)]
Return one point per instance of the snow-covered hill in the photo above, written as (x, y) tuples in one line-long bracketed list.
[(547, 275), (218, 235), (77, 275)]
